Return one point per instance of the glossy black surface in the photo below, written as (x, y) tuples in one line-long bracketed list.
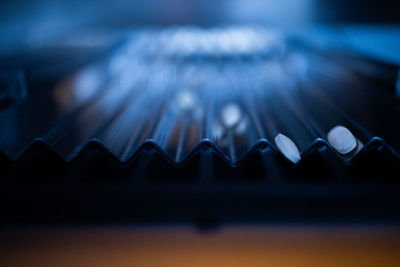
[(141, 134)]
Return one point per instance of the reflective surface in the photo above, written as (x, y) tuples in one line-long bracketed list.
[(178, 125), (232, 86)]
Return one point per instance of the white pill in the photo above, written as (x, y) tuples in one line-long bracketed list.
[(231, 115), (288, 148), (342, 139)]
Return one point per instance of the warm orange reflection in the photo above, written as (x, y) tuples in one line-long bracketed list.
[(180, 246)]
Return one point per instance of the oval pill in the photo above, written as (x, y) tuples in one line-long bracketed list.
[(341, 139), (288, 148)]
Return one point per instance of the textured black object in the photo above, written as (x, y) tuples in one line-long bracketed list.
[(132, 158), (206, 188)]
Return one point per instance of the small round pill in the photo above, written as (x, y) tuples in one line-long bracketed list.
[(231, 115)]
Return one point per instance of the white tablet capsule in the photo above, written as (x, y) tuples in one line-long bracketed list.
[(231, 115), (341, 139), (288, 148)]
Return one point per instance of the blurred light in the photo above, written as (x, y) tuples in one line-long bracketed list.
[(297, 64), (231, 115), (194, 71), (283, 12), (242, 126), (87, 83), (190, 41), (185, 100), (187, 104)]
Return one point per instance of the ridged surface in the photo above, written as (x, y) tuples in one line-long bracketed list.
[(178, 126), (157, 92), (96, 146)]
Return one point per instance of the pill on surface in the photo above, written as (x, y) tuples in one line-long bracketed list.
[(231, 115), (288, 148), (341, 139)]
